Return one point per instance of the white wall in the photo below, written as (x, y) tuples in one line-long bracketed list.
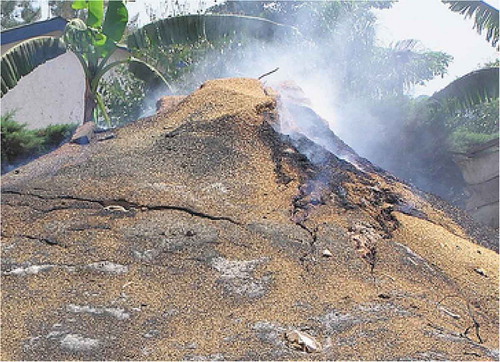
[(52, 94)]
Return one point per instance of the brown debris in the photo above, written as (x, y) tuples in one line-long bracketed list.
[(168, 103), (365, 238), (83, 135)]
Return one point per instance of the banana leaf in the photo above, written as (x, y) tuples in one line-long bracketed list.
[(115, 21), (95, 10), (190, 28), (485, 16), (471, 89), (23, 58)]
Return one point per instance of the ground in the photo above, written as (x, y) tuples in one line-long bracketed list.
[(203, 233)]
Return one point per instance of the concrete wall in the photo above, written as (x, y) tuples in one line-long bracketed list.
[(51, 94), (480, 168)]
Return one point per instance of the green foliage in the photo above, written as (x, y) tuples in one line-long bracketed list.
[(78, 37), (95, 11), (93, 41), (472, 126), (462, 140), (482, 118), (417, 142), (20, 144), (180, 60), (485, 16), (471, 89), (178, 46), (389, 70), (343, 34), (148, 74), (17, 142), (54, 135), (187, 29), (28, 13), (393, 71), (123, 94), (116, 21), (318, 15), (90, 38)]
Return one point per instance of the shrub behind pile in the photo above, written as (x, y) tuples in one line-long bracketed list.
[(20, 145)]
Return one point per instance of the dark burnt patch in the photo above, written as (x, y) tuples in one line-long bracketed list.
[(279, 154), (202, 147)]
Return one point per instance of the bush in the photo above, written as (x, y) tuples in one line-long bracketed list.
[(17, 141), (20, 145), (462, 139), (472, 126), (55, 135), (481, 118)]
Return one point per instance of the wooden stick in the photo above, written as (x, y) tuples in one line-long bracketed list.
[(268, 73)]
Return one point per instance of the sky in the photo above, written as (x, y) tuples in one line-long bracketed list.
[(438, 28), (165, 8)]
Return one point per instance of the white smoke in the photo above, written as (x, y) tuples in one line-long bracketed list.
[(320, 76), (316, 90)]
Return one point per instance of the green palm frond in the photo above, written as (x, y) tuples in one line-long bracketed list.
[(23, 58), (471, 89), (485, 16), (191, 28)]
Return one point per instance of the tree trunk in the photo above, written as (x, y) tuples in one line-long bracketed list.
[(89, 104)]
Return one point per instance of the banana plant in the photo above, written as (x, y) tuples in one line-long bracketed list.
[(93, 42)]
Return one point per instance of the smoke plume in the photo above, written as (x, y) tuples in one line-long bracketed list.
[(319, 106)]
